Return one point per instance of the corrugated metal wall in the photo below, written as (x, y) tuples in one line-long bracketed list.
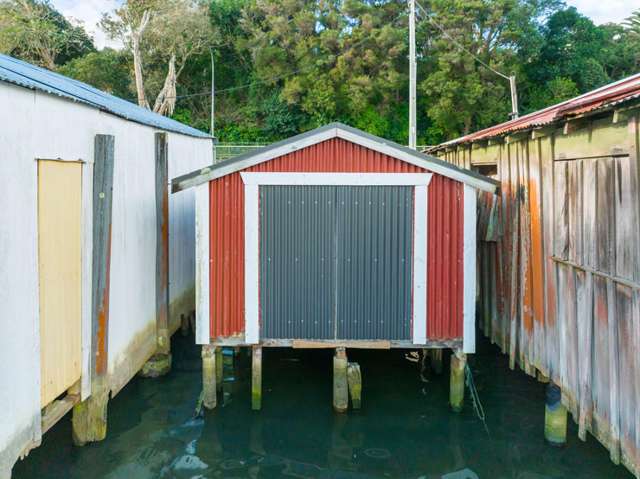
[(445, 207), (297, 262), (336, 262), (375, 239), (560, 288)]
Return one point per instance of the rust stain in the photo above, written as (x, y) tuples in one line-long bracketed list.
[(103, 315), (537, 255)]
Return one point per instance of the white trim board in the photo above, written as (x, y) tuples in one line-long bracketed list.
[(469, 271), (203, 261), (337, 179), (420, 244), (352, 135), (251, 263), (252, 183), (87, 280)]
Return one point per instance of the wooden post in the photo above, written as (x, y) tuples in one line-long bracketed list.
[(256, 378), (456, 387), (340, 386), (219, 369), (436, 360), (354, 381), (209, 398), (228, 374), (160, 362), (184, 325), (89, 418), (555, 416)]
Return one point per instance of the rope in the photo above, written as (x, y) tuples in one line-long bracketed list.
[(475, 398)]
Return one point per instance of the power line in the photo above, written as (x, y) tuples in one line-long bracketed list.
[(457, 43)]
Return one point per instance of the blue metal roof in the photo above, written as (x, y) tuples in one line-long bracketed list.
[(30, 76)]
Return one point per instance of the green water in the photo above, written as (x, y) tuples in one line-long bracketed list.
[(404, 430)]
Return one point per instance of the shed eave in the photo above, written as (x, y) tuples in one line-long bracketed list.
[(334, 130)]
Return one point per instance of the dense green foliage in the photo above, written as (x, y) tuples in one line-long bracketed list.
[(285, 66)]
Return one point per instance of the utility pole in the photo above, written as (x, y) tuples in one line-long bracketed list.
[(213, 93), (514, 97), (412, 74), (213, 102)]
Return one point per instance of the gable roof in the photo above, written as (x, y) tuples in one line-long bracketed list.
[(30, 76), (603, 98), (334, 130)]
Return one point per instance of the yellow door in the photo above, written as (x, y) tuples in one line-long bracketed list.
[(60, 270)]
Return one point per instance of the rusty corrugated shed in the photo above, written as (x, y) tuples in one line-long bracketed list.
[(446, 226), (560, 283), (605, 97)]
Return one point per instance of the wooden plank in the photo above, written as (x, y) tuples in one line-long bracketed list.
[(589, 213), (493, 295), (635, 314), (537, 256), (574, 192), (505, 247), (526, 296), (600, 383), (563, 306), (60, 275), (485, 289), (561, 210), (614, 374), (56, 411), (514, 316), (102, 206), (585, 336), (551, 357), (308, 344), (593, 139), (629, 371), (162, 243), (626, 218), (605, 222)]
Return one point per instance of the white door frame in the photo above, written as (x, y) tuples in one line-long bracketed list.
[(252, 183)]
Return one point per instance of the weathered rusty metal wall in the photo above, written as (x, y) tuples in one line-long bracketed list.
[(445, 231), (560, 281)]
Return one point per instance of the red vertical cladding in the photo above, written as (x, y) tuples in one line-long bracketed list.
[(445, 267), (336, 155)]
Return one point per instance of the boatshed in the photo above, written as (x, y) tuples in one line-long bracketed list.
[(97, 259), (335, 238), (560, 272)]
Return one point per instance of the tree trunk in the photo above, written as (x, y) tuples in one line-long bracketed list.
[(137, 59), (166, 100)]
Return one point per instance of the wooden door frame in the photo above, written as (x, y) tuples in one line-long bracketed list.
[(252, 183), (86, 242)]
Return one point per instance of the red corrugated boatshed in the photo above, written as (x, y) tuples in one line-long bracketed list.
[(336, 238)]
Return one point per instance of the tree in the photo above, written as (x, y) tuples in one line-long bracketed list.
[(108, 70), (335, 60), (463, 94), (161, 35), (34, 31), (554, 91)]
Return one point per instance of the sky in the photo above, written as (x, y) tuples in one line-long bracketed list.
[(90, 12)]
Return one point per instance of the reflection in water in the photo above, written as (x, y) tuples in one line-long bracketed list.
[(405, 429)]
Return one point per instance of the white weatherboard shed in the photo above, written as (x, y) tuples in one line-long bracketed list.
[(79, 287)]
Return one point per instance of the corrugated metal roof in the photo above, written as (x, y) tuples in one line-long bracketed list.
[(604, 97), (30, 76), (324, 133)]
